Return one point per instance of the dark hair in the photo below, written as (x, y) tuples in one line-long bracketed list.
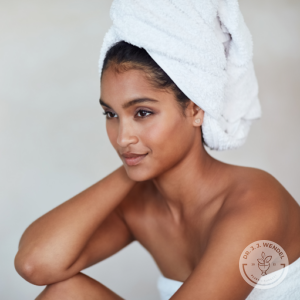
[(123, 56)]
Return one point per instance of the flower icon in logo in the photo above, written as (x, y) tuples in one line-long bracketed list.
[(261, 258), (263, 263)]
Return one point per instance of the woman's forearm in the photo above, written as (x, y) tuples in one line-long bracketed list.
[(57, 238)]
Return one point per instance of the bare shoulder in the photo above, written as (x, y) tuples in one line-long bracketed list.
[(258, 202), (256, 207), (251, 187)]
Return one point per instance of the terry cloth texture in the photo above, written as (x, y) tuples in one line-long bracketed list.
[(206, 49)]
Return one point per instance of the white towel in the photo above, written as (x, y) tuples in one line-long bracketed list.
[(288, 289), (206, 49)]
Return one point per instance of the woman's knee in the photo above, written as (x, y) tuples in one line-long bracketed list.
[(78, 287), (62, 289)]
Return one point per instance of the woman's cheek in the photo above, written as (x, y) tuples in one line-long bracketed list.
[(154, 135), (160, 139)]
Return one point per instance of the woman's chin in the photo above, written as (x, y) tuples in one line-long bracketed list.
[(137, 173)]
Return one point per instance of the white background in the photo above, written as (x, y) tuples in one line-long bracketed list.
[(53, 141)]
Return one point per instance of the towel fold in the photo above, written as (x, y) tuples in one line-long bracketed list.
[(206, 49)]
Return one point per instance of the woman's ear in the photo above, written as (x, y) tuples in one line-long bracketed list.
[(198, 115)]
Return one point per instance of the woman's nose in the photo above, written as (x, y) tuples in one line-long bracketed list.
[(126, 135)]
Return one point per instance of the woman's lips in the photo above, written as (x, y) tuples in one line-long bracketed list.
[(132, 161)]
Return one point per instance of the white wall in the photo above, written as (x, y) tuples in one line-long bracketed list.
[(53, 142)]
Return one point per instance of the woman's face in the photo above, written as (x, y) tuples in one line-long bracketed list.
[(144, 120)]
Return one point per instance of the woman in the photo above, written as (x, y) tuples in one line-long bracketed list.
[(193, 213)]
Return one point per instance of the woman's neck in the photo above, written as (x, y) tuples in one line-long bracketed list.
[(190, 184)]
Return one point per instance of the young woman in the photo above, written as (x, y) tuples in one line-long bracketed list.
[(194, 214)]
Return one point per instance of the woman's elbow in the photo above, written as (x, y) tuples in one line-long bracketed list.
[(31, 272)]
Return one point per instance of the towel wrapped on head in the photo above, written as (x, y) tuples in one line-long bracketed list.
[(205, 47)]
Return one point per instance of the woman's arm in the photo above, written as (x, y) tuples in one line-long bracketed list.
[(55, 241)]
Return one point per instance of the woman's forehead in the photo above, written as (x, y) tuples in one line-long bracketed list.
[(131, 79), (130, 85)]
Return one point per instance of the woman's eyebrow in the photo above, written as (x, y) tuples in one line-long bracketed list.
[(131, 102), (103, 103)]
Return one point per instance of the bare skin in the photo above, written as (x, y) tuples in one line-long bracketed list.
[(78, 287), (185, 207)]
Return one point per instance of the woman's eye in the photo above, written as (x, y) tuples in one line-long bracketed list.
[(144, 112), (107, 114), (141, 113)]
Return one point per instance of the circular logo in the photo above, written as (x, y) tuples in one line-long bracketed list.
[(263, 264)]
